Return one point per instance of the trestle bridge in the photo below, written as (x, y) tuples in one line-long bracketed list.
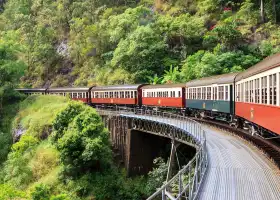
[(224, 167)]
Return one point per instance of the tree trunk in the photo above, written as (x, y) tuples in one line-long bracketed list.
[(262, 11)]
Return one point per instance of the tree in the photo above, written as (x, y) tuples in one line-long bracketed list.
[(82, 140), (262, 11), (172, 75), (141, 53), (153, 80)]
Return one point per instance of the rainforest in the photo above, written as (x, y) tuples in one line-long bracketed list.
[(47, 144)]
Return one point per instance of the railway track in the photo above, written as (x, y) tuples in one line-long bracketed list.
[(271, 150)]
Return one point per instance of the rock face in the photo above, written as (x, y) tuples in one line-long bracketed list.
[(17, 133), (62, 49)]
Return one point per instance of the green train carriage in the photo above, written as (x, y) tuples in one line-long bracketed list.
[(211, 97)]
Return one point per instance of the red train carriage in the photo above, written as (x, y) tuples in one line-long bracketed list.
[(169, 95), (123, 95), (257, 101), (79, 94)]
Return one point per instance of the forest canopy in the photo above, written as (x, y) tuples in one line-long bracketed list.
[(96, 42)]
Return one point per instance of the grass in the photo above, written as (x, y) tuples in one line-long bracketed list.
[(37, 114), (34, 116)]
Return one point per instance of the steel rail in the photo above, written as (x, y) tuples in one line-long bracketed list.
[(186, 183)]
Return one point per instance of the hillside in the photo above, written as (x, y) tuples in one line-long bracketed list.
[(62, 152), (89, 42)]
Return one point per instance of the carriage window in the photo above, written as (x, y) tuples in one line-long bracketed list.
[(194, 93), (238, 93), (270, 90), (96, 95), (131, 94), (246, 92), (179, 93), (252, 91), (221, 92), (249, 91), (208, 93), (264, 90), (122, 94), (226, 93), (204, 93), (216, 93), (257, 91), (198, 90), (74, 95)]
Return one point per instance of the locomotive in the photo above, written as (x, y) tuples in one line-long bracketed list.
[(248, 100)]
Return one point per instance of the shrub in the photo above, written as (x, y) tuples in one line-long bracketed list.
[(44, 161), (9, 192), (41, 192)]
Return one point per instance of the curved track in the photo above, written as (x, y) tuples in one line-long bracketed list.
[(237, 170)]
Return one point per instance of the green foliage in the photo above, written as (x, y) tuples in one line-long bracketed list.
[(91, 42), (80, 137), (136, 53), (206, 63), (172, 75), (157, 176), (29, 160), (9, 192), (41, 192), (60, 197), (153, 80)]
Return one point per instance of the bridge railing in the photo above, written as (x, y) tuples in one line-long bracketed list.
[(186, 183)]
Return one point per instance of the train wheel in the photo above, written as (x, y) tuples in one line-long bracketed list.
[(197, 115), (251, 130)]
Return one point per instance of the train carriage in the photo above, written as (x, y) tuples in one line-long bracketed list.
[(166, 96), (31, 91), (124, 95), (79, 94), (257, 99), (212, 96)]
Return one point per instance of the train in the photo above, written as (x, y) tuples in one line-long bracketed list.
[(249, 100)]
